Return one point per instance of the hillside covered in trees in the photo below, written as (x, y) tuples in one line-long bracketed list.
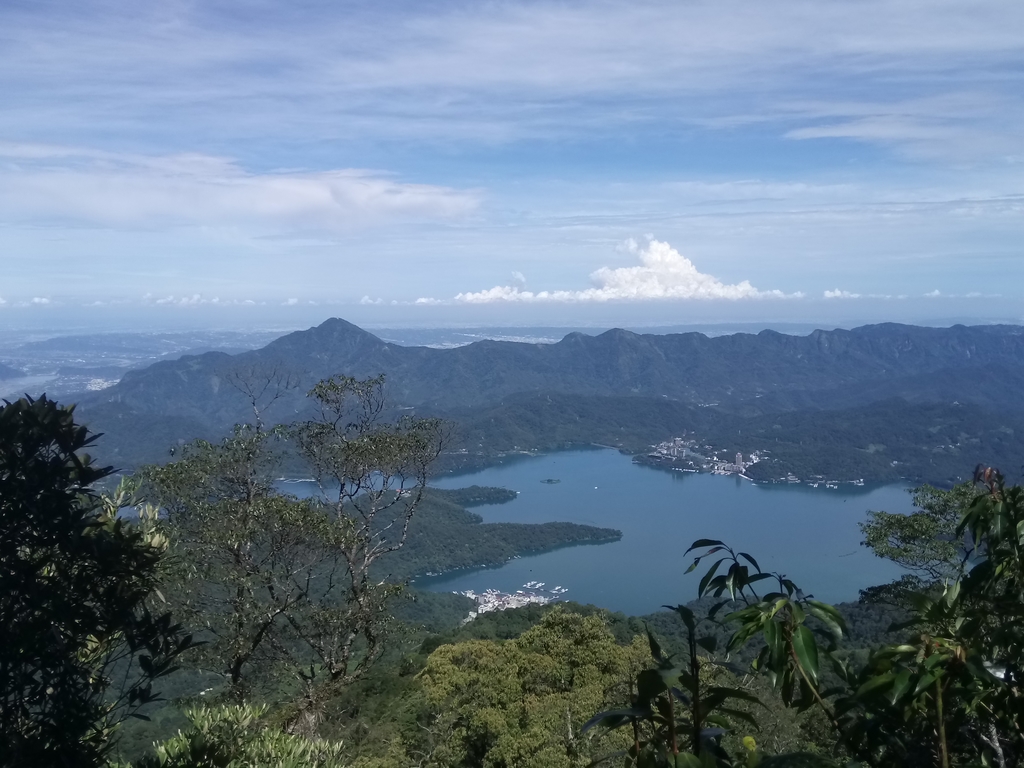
[(847, 403), (199, 616)]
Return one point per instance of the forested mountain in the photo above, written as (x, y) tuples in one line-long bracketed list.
[(839, 366), (618, 388)]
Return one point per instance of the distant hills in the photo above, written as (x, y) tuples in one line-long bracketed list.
[(619, 388)]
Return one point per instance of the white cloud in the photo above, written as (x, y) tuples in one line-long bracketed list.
[(839, 294), (194, 300), (663, 273), (102, 188), (290, 303), (40, 301), (366, 300), (933, 294)]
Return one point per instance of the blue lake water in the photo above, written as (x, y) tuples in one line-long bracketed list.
[(810, 534)]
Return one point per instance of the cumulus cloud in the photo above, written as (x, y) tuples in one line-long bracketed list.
[(95, 187), (366, 300), (290, 302), (663, 273), (40, 301)]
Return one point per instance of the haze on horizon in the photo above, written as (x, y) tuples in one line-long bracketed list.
[(266, 164)]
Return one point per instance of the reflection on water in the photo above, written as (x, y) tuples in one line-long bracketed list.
[(809, 534)]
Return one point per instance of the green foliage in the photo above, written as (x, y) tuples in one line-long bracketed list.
[(681, 711), (81, 640), (954, 688), (950, 693), (238, 736), (283, 584), (247, 560), (926, 542), (523, 702)]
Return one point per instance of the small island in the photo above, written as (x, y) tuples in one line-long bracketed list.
[(477, 495), (551, 481)]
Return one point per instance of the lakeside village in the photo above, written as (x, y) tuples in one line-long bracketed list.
[(493, 600), (689, 455)]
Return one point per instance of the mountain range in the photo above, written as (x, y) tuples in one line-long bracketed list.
[(655, 385)]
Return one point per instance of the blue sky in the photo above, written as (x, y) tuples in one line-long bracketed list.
[(525, 163)]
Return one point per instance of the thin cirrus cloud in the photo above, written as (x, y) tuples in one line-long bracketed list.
[(497, 71), (97, 187), (663, 273)]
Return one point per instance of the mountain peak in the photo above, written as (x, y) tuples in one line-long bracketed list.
[(336, 326), (333, 333)]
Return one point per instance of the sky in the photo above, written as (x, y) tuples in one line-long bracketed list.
[(240, 164)]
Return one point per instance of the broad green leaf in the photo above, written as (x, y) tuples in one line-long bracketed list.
[(900, 686), (687, 616), (806, 649), (750, 560), (831, 611), (827, 620), (776, 643), (875, 683), (707, 577), (798, 612), (614, 718), (704, 543), (655, 648), (923, 683)]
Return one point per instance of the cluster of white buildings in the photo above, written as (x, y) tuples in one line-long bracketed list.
[(679, 449), (493, 600), (676, 448)]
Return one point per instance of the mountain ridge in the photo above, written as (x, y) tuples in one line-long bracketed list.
[(688, 366), (739, 375)]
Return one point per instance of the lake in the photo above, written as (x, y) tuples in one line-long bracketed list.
[(810, 534)]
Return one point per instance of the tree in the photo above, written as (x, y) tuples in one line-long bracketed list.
[(524, 702), (284, 584), (245, 559), (80, 643), (238, 735), (925, 542)]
